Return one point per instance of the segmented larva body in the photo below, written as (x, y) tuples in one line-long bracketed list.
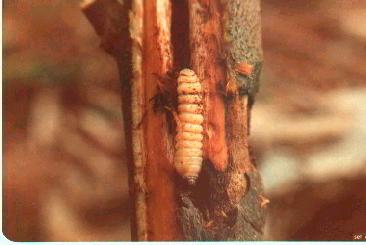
[(188, 154)]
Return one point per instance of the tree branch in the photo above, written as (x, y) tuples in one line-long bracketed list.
[(224, 48)]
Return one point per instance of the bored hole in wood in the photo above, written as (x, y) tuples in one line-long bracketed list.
[(180, 35)]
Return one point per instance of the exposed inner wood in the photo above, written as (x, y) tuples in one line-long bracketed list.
[(160, 172), (206, 57)]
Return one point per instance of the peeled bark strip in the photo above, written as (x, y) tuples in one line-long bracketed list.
[(137, 109)]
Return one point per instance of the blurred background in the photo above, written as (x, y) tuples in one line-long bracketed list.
[(64, 167)]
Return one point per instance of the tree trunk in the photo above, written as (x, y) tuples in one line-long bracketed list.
[(220, 40)]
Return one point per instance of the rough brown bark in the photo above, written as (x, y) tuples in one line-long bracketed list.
[(222, 45)]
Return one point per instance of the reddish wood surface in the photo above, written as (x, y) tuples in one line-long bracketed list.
[(206, 57), (160, 170)]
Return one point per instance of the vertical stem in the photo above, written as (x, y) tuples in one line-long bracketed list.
[(137, 105), (225, 203), (160, 173)]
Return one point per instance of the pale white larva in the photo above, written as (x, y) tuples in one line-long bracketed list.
[(188, 148)]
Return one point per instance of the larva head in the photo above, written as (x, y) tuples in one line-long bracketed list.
[(186, 72), (187, 76)]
